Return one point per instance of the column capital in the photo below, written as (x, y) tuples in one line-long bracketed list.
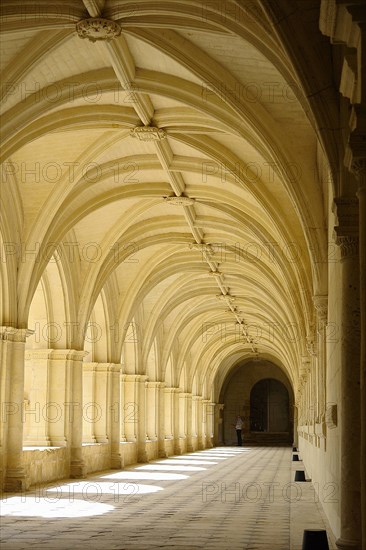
[(153, 384), (13, 334), (348, 245), (38, 353), (197, 397), (57, 354), (135, 378)]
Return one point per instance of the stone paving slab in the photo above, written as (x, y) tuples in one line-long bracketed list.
[(223, 498)]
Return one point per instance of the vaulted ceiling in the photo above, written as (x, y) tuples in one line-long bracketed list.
[(170, 176)]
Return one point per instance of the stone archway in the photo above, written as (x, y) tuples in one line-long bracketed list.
[(256, 382)]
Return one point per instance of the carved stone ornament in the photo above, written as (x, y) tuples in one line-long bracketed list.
[(321, 306), (97, 28), (148, 133), (348, 246), (179, 201)]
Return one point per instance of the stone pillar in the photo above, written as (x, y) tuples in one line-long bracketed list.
[(199, 405), (360, 171), (88, 399), (99, 411), (169, 412), (347, 239), (131, 407), (175, 396), (161, 421), (321, 306), (152, 410), (75, 413), (188, 420), (296, 423), (13, 347), (36, 385), (141, 415), (122, 405), (207, 423), (218, 424), (115, 412)]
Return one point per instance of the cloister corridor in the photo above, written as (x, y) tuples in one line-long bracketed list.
[(182, 268), (224, 498)]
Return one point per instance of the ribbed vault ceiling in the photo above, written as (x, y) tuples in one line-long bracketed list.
[(225, 276)]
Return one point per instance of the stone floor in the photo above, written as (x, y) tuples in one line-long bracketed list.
[(223, 498)]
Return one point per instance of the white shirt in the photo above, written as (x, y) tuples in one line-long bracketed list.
[(239, 424)]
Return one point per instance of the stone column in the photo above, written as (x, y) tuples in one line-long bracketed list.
[(161, 421), (36, 384), (141, 415), (131, 407), (359, 168), (169, 412), (122, 404), (88, 399), (218, 424), (175, 396), (347, 239), (152, 410), (75, 413), (115, 412), (99, 411), (188, 412), (13, 347), (199, 405), (207, 423), (321, 306)]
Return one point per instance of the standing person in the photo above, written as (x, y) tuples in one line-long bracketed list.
[(238, 427)]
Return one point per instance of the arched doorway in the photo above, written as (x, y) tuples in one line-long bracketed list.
[(270, 409)]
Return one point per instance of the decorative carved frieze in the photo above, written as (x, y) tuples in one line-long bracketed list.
[(97, 28)]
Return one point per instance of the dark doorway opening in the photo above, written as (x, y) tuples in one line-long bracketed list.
[(270, 411)]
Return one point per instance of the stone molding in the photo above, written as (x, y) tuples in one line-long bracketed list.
[(12, 334), (57, 354)]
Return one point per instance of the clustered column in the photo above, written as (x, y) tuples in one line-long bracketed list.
[(12, 379)]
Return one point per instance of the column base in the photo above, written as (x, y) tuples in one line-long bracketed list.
[(16, 482), (117, 461), (142, 457), (347, 544), (177, 449), (78, 470), (162, 451)]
